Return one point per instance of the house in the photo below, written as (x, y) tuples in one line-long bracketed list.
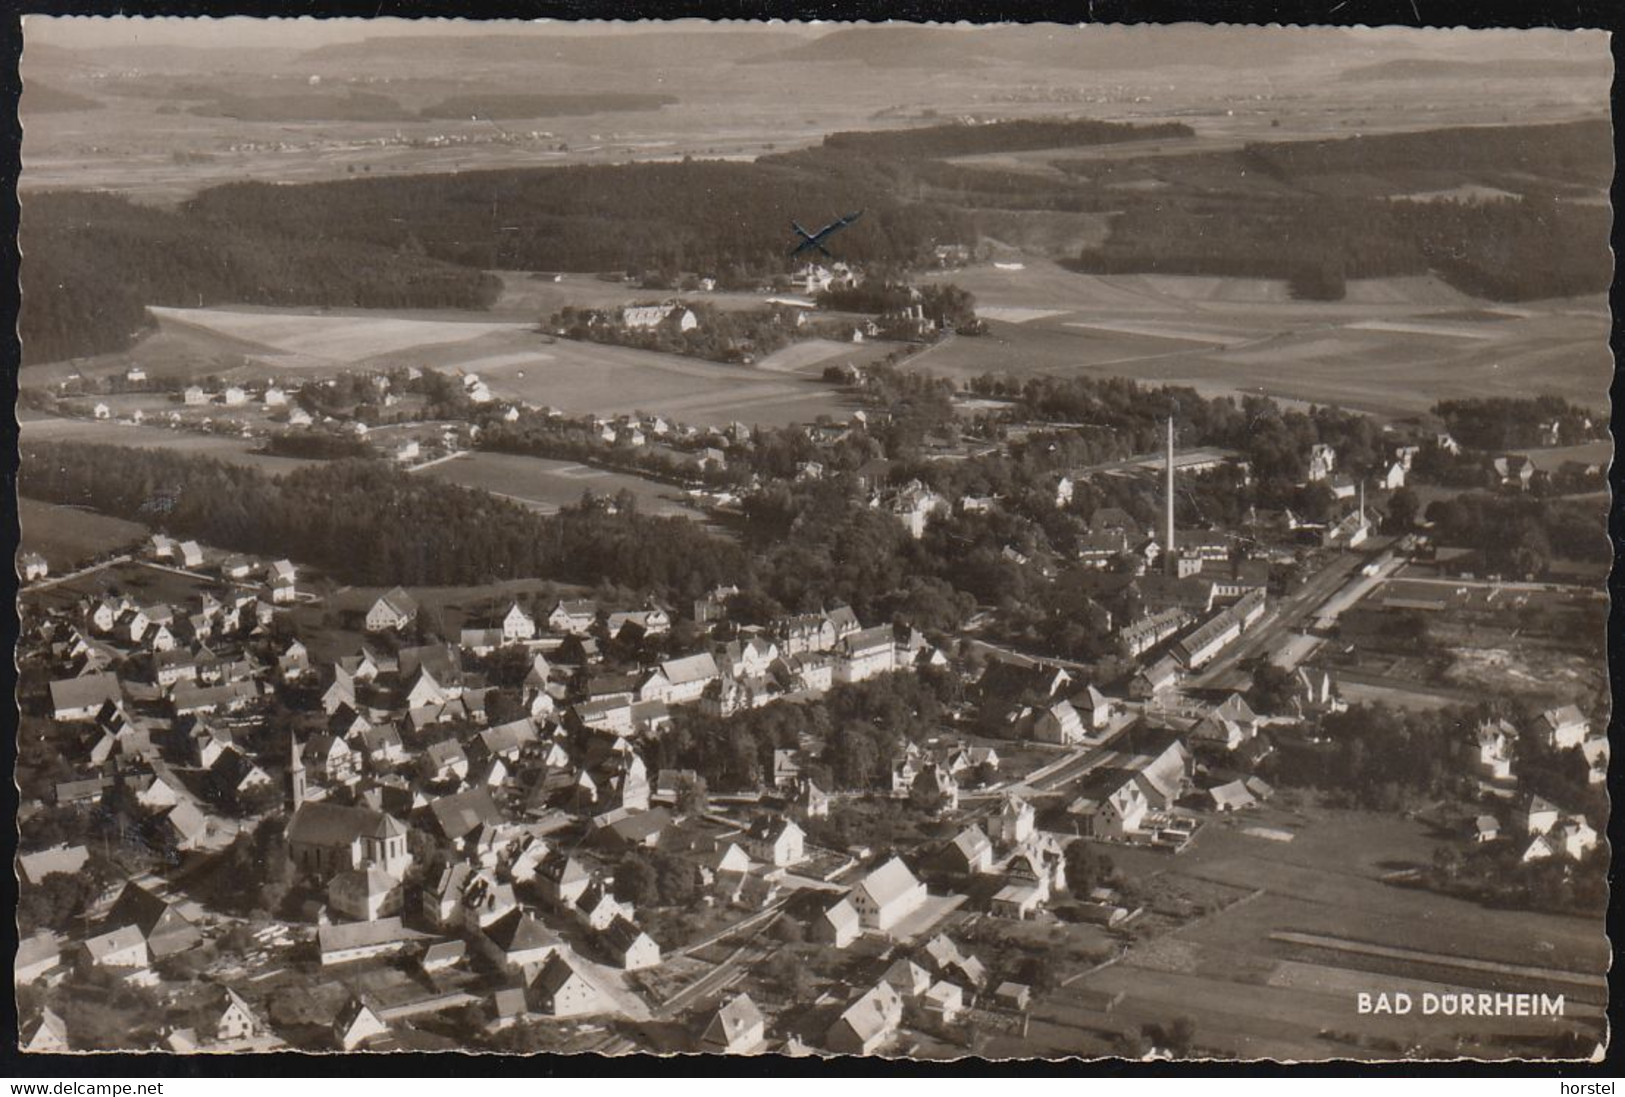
[(934, 790), (887, 896), (517, 940), (562, 991), (49, 1037), (58, 860), (1497, 742), (33, 566), (236, 1020), (392, 611), (907, 978), (944, 1001), (630, 947), (1562, 728), (443, 956), (562, 879), (597, 908), (1111, 803), (356, 1024), (838, 926), (1536, 815), (364, 894), (124, 947), (83, 697), (1059, 724), (191, 554), (968, 854), (161, 924), (1513, 470), (776, 841), (864, 653), (1486, 828), (36, 955), (351, 941), (1018, 902), (1013, 996), (574, 617), (517, 625), (680, 681), (868, 1023), (735, 1028), (1015, 821)]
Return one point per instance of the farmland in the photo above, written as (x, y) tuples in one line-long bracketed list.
[(1271, 997), (232, 450), (545, 485), (68, 536), (1393, 348), (515, 361)]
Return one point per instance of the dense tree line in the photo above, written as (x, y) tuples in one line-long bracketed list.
[(369, 524), (1502, 422), (1518, 535), (957, 139), (532, 105), (1573, 150), (1509, 250), (96, 261), (708, 216), (318, 446)]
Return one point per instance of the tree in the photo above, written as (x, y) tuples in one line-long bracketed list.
[(1403, 506), (1085, 869), (693, 798), (636, 881), (1273, 688)]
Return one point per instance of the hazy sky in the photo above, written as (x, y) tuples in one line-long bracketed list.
[(307, 33), (303, 33)]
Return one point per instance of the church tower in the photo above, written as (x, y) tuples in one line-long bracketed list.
[(296, 773)]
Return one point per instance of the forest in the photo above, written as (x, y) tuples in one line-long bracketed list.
[(94, 262), (1013, 136), (494, 105), (1502, 423), (1515, 249), (368, 524)]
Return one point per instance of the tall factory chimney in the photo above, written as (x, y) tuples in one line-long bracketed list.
[(1171, 565)]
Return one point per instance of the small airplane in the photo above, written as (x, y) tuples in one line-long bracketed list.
[(816, 239)]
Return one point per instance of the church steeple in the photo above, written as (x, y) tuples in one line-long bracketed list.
[(296, 772)]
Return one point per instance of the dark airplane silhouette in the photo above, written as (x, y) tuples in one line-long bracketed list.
[(816, 239)]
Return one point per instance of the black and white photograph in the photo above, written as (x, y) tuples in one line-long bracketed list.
[(929, 542)]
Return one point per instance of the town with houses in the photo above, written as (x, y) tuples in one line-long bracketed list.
[(1134, 594), (297, 825)]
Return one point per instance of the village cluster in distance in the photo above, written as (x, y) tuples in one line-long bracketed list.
[(993, 715)]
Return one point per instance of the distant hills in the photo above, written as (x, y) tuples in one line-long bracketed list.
[(633, 50), (1521, 68), (1096, 47)]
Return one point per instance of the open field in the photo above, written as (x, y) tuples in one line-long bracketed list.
[(546, 485), (321, 338), (1257, 995), (69, 536), (1394, 347), (232, 450), (517, 363)]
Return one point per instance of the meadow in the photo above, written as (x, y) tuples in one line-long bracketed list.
[(1229, 973), (545, 485), (220, 447), (68, 537), (1394, 347)]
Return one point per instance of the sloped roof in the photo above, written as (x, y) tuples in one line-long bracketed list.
[(736, 1017), (459, 814), (88, 691), (888, 883)]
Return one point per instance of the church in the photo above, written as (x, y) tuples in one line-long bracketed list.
[(327, 839)]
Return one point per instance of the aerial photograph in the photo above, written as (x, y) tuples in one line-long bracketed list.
[(916, 541)]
